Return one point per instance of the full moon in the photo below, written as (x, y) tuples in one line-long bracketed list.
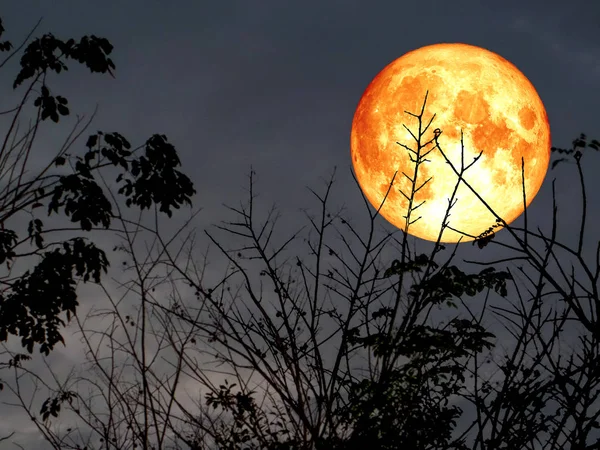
[(470, 90)]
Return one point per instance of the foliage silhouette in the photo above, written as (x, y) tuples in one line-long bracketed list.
[(31, 304)]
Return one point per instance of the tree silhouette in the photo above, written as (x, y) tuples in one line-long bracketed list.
[(33, 304), (400, 396), (339, 350)]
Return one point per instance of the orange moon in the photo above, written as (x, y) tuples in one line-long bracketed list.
[(469, 89)]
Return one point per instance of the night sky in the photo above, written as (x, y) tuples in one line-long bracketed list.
[(274, 84)]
